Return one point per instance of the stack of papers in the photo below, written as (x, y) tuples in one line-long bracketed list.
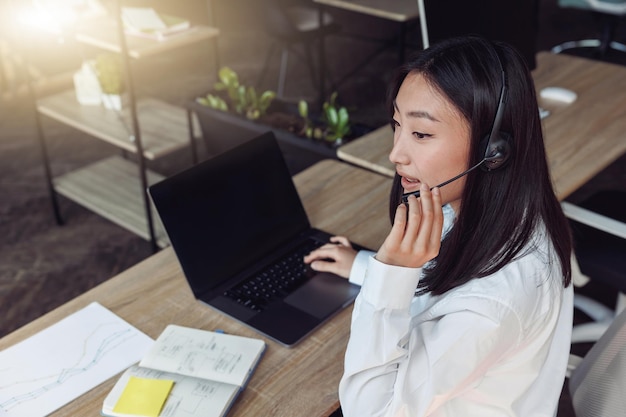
[(187, 373), (146, 22)]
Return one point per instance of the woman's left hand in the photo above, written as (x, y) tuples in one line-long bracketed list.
[(415, 237), (336, 257)]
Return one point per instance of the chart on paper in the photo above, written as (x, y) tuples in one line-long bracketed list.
[(62, 362)]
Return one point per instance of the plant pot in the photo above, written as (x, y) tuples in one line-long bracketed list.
[(222, 131)]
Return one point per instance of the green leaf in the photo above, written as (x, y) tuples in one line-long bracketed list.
[(266, 99), (333, 98), (213, 101), (264, 103), (268, 96), (241, 97), (331, 114), (243, 100), (228, 76), (252, 97), (343, 117), (303, 109)]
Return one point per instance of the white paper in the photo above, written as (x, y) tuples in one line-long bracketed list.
[(62, 362), (190, 397), (204, 354), (142, 18)]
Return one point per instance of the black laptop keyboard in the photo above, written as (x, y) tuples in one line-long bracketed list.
[(276, 281)]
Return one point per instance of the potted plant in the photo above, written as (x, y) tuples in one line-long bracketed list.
[(234, 113), (334, 125), (108, 68)]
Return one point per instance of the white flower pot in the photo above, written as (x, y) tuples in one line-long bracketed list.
[(112, 101)]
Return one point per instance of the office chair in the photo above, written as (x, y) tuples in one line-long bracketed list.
[(597, 382), (292, 23), (599, 231), (610, 11)]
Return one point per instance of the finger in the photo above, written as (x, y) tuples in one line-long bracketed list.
[(391, 244), (414, 220), (424, 237), (438, 218), (429, 241), (399, 224), (338, 269), (328, 251), (323, 266), (313, 256), (342, 240)]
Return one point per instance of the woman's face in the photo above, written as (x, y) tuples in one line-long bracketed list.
[(431, 140)]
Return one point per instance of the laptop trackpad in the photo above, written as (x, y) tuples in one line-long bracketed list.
[(323, 295)]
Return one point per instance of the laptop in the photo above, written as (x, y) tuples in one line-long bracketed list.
[(235, 221)]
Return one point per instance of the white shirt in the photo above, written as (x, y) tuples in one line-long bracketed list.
[(495, 346)]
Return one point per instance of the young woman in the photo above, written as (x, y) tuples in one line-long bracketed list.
[(466, 309)]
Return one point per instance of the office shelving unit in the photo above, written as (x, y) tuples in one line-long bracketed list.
[(148, 128)]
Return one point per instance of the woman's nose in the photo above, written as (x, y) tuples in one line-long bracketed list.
[(398, 154)]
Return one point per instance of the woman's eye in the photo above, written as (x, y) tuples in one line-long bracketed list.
[(393, 123), (421, 135)]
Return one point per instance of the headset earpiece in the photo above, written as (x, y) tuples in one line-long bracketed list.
[(497, 151)]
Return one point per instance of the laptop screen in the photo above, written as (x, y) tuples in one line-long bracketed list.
[(229, 211)]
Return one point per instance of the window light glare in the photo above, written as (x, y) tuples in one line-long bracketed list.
[(49, 18)]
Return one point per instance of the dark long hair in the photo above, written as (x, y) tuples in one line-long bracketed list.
[(500, 209)]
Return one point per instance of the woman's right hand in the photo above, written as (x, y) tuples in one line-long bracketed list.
[(336, 257), (415, 237)]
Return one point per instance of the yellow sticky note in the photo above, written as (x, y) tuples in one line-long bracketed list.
[(143, 396)]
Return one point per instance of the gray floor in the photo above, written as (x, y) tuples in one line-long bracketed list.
[(43, 265)]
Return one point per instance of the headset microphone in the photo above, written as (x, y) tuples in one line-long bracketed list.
[(405, 197), (497, 148)]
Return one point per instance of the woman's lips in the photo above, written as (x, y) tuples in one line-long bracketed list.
[(410, 184)]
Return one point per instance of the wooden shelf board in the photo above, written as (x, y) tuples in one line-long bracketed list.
[(163, 127), (112, 189), (103, 33)]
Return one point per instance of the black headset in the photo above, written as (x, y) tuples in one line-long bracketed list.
[(497, 147)]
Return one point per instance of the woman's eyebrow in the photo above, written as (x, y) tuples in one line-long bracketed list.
[(417, 113)]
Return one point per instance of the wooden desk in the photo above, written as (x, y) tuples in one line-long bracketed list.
[(581, 139), (301, 381), (371, 151)]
